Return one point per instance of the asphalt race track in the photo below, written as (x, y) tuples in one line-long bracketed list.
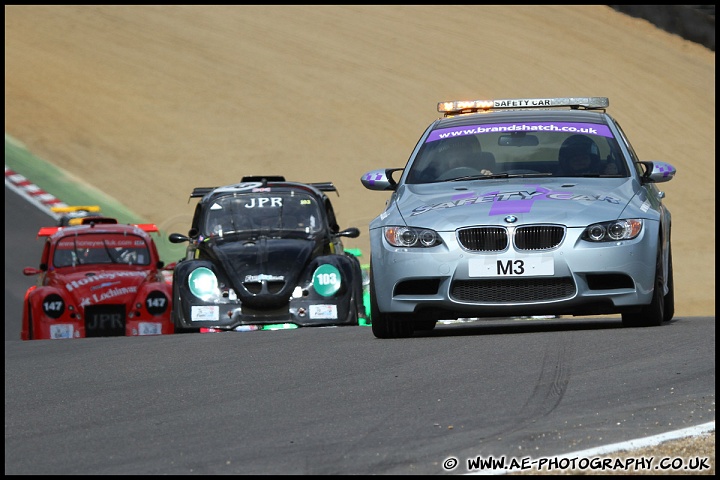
[(337, 400)]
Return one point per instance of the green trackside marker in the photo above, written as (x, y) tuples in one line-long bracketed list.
[(326, 280), (279, 326)]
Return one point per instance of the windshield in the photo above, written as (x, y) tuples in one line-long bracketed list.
[(271, 213), (88, 249), (552, 149)]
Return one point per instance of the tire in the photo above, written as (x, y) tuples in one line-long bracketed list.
[(653, 314), (352, 316), (31, 333), (386, 325), (669, 312), (176, 312), (356, 301)]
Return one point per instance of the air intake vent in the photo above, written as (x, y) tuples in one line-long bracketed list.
[(513, 290)]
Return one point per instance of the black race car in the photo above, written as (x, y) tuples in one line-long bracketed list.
[(266, 253)]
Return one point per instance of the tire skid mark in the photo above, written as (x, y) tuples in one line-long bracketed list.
[(548, 391)]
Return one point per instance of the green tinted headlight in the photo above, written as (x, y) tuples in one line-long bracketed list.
[(203, 284)]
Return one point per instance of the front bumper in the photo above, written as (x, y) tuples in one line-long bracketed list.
[(587, 279), (231, 316)]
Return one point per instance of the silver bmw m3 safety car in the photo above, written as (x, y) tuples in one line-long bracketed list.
[(520, 207)]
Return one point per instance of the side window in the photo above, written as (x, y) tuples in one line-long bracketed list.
[(332, 221), (197, 215), (45, 257), (635, 160)]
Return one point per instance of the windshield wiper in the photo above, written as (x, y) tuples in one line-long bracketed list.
[(499, 175), (477, 177)]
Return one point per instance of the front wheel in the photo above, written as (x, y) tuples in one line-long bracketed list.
[(30, 334), (357, 305), (352, 316), (176, 311), (653, 314), (670, 296), (385, 325)]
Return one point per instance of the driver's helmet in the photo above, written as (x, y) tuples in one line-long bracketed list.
[(461, 151), (465, 144), (579, 154), (88, 255)]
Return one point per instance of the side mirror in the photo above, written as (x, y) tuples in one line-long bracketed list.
[(178, 238), (380, 179), (657, 172), (31, 271), (352, 232)]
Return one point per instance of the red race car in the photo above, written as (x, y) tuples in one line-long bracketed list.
[(97, 278)]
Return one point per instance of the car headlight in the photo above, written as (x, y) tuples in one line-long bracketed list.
[(203, 284), (411, 237), (624, 229)]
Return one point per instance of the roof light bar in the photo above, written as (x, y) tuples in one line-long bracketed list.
[(475, 105)]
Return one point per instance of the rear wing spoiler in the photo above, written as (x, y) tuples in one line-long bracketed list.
[(322, 186), (146, 227)]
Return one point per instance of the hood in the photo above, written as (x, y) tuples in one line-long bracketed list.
[(90, 286), (265, 271), (572, 202)]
